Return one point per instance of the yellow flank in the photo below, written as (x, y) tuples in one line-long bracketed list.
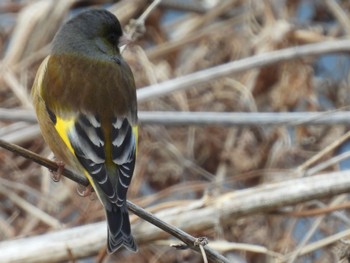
[(62, 127), (135, 131), (88, 176)]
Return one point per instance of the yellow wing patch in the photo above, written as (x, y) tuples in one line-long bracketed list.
[(135, 131), (62, 127)]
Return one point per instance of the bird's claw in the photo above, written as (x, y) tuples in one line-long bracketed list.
[(57, 175), (85, 192)]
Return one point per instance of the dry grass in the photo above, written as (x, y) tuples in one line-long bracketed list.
[(187, 163)]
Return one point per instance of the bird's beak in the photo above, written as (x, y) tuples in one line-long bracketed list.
[(124, 40)]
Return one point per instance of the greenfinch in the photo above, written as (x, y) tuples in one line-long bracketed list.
[(85, 100)]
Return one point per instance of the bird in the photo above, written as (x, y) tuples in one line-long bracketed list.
[(84, 97)]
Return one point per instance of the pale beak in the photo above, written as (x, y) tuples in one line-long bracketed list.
[(124, 40)]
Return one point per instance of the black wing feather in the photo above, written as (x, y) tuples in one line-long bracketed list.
[(88, 141), (123, 154)]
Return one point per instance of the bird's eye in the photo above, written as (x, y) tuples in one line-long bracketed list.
[(113, 38)]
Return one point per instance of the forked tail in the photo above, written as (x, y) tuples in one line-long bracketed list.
[(119, 231)]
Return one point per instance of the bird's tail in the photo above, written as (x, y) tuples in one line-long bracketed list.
[(119, 231)]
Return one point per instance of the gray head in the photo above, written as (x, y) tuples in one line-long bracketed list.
[(92, 33)]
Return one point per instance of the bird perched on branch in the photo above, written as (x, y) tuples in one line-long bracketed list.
[(85, 100)]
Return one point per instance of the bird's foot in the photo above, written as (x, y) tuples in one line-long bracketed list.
[(85, 192), (57, 175)]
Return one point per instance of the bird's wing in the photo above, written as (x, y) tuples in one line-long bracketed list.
[(124, 145), (87, 140)]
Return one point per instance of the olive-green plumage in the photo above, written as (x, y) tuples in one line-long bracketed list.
[(85, 100), (98, 77)]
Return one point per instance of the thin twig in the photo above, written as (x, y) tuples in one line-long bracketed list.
[(51, 165), (136, 28), (149, 9), (201, 242), (324, 242), (340, 14), (174, 231), (314, 227), (257, 61), (17, 88), (315, 211), (327, 163), (205, 260), (223, 245), (302, 168)]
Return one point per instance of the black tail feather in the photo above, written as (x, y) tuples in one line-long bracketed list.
[(119, 230)]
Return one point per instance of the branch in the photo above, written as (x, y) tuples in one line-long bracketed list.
[(257, 61), (189, 240), (51, 165), (176, 118), (197, 216)]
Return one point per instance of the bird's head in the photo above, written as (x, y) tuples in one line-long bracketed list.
[(92, 33)]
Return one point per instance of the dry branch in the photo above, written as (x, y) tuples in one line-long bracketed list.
[(244, 118), (257, 61), (197, 216), (175, 118)]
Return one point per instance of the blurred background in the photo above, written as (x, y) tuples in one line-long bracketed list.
[(179, 164)]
